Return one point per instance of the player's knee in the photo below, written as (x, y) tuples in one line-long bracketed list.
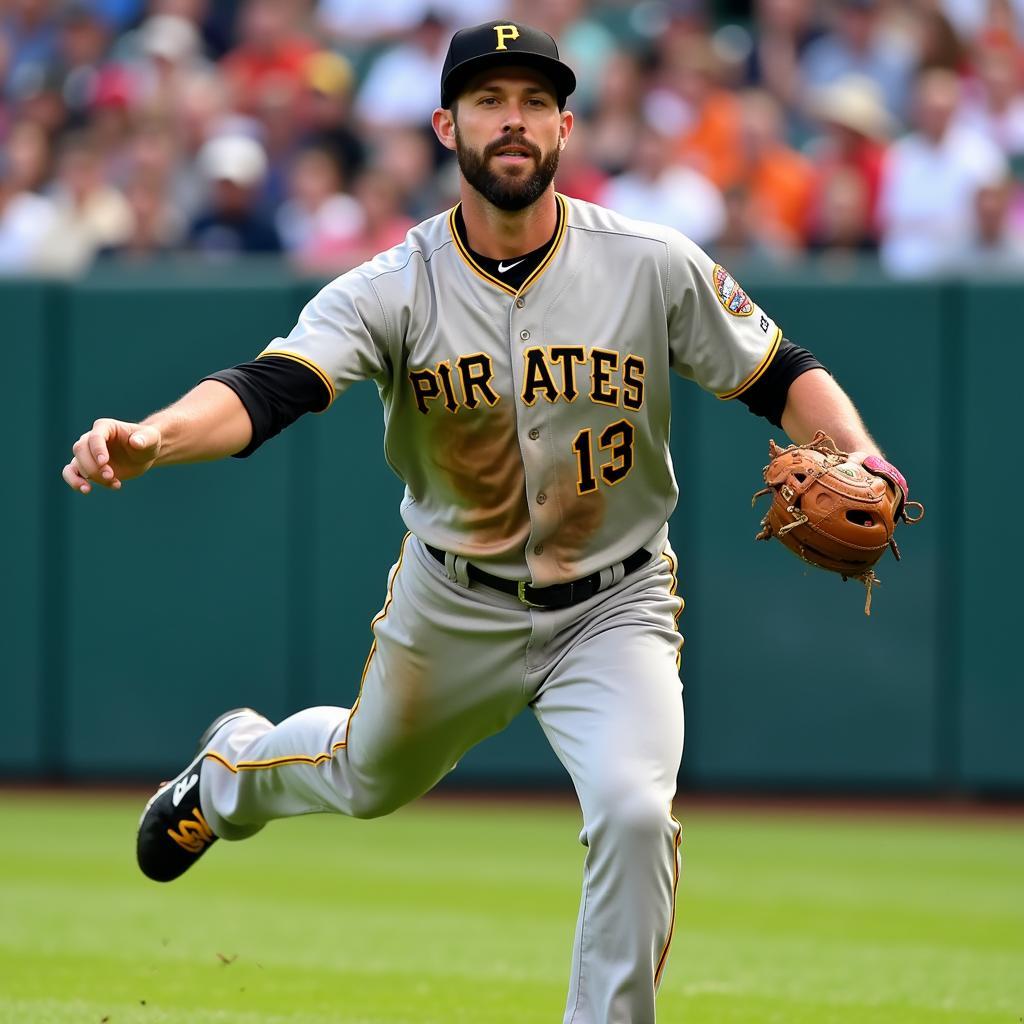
[(635, 814), (374, 804)]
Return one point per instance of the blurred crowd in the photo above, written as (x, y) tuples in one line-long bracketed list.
[(138, 130)]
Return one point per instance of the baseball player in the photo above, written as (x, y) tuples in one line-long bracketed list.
[(522, 345)]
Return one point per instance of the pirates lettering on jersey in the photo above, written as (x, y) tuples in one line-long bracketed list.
[(475, 375), (568, 356), (537, 377), (550, 373), (602, 362), (633, 371), (444, 375)]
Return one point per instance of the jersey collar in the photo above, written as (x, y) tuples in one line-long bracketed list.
[(554, 246)]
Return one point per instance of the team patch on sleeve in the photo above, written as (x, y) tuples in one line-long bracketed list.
[(730, 294)]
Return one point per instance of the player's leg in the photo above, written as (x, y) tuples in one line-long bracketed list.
[(612, 710), (445, 670)]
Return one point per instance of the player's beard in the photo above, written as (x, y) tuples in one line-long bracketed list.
[(505, 191)]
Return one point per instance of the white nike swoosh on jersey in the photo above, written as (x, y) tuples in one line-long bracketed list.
[(502, 268)]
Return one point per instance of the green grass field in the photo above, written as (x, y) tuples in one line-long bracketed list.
[(450, 912)]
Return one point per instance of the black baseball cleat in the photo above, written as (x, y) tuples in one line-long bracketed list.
[(173, 832)]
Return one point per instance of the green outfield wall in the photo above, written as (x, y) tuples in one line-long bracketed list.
[(129, 619)]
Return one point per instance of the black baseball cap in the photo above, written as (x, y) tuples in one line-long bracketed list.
[(502, 42)]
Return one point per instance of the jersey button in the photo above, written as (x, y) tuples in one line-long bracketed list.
[(525, 335), (541, 498), (534, 434), (520, 303), (539, 549)]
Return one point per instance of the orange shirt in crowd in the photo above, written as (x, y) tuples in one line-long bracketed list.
[(781, 185), (713, 145)]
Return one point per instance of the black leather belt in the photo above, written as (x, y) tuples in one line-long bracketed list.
[(559, 595)]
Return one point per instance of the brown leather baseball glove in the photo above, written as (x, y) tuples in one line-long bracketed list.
[(835, 514)]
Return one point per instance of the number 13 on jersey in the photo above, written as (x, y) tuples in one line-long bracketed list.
[(616, 439)]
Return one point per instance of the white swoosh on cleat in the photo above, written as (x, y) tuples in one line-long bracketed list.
[(182, 788)]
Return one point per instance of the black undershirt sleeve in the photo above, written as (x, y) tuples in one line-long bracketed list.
[(767, 395), (275, 392)]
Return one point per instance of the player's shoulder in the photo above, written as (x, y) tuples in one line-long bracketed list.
[(393, 276), (590, 217)]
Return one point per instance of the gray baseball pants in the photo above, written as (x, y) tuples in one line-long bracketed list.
[(453, 662)]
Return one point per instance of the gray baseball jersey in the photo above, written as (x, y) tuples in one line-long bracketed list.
[(531, 427)]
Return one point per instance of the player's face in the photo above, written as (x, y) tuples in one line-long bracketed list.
[(508, 135)]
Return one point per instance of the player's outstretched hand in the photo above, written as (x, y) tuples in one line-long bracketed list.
[(111, 452)]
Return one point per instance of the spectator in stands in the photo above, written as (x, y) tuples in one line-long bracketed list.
[(400, 88), (25, 220), (28, 39), (743, 237), (325, 111), (111, 117), (976, 19), (355, 25), (202, 104), (407, 156), (843, 226), (83, 41), (317, 214), (169, 62), (993, 103), (29, 156), (90, 213), (659, 188), (156, 157), (783, 29), (856, 127), (384, 225), (233, 223), (37, 97), (619, 112), (780, 181), (929, 182), (270, 57), (691, 103), (997, 243), (156, 228), (155, 152), (577, 174), (858, 43), (276, 126), (938, 45)]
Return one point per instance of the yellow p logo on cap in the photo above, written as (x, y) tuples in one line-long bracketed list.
[(505, 32)]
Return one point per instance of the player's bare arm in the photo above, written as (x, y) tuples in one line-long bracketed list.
[(210, 422), (816, 402)]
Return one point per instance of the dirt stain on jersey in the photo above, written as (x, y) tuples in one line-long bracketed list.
[(478, 452), (582, 516), (406, 686)]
